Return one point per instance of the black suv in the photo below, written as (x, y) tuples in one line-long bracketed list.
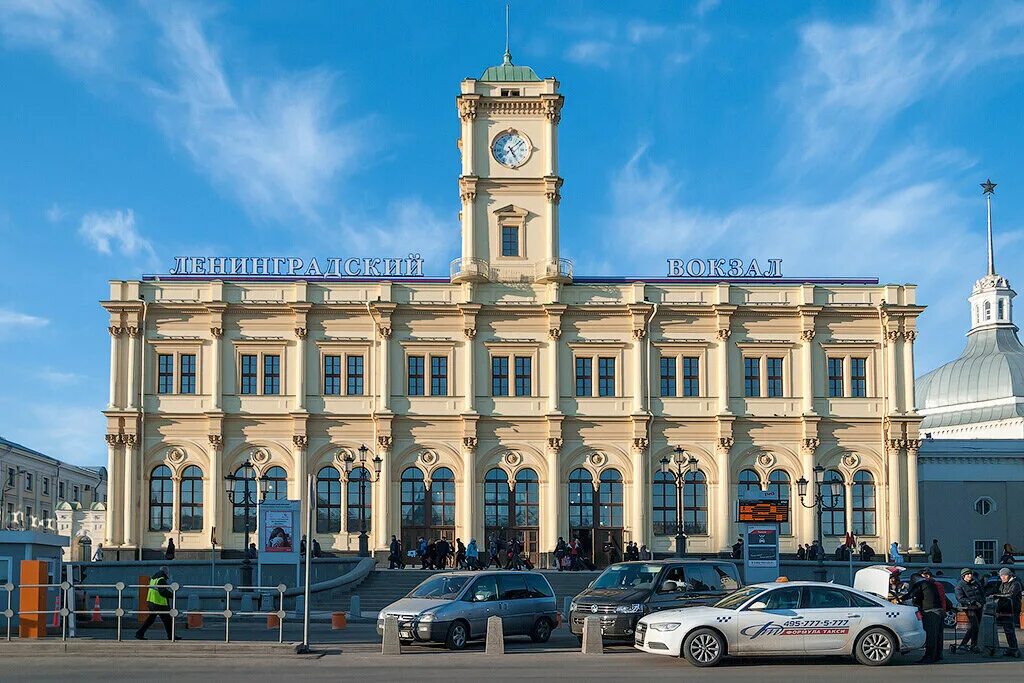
[(627, 591)]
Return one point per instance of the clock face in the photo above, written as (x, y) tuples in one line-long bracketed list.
[(511, 149)]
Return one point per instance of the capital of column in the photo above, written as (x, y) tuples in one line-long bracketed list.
[(725, 443), (300, 332), (810, 444), (115, 331), (639, 333), (217, 332), (216, 441), (910, 335), (384, 441), (113, 439), (724, 334), (300, 441), (554, 333), (807, 335), (555, 443), (640, 444), (469, 443), (385, 331)]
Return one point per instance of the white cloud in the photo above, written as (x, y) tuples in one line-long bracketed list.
[(9, 318), (606, 42), (55, 214), (69, 431), (79, 33), (106, 229), (58, 378), (858, 77), (406, 223)]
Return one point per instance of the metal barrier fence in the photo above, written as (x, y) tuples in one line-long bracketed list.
[(67, 590)]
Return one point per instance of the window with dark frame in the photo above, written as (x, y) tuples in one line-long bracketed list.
[(524, 375), (605, 376), (774, 369), (161, 499), (863, 504), (249, 373), (509, 240), (328, 501), (664, 503), (833, 518), (271, 374), (835, 377), (691, 376), (352, 502), (584, 376), (187, 376), (60, 490), (354, 376), (751, 377), (858, 377), (438, 375), (332, 375), (499, 376), (695, 503), (668, 376), (165, 373), (987, 550), (46, 486), (416, 382), (28, 481), (190, 517)]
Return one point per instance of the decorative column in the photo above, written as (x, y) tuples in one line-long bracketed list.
[(469, 312), (895, 400), (131, 491), (908, 369), (723, 513), (554, 334), (893, 485), (115, 351), (217, 384), (807, 337), (215, 490), (299, 443), (639, 334), (723, 370), (641, 491), (175, 502), (385, 373), (115, 492), (468, 515), (806, 529), (300, 364), (913, 503), (848, 501), (553, 195), (133, 363), (381, 509), (551, 518)]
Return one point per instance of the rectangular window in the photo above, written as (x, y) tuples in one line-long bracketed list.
[(752, 377), (987, 550), (46, 486), (835, 377), (187, 378), (509, 240), (691, 376), (499, 376), (668, 376), (524, 374), (28, 481), (584, 376), (605, 376), (416, 387), (858, 377), (10, 476), (355, 376), (774, 368), (75, 496), (60, 490), (249, 371), (165, 373), (271, 375), (332, 375), (438, 375)]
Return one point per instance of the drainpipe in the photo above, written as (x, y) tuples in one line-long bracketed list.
[(142, 428), (885, 434)]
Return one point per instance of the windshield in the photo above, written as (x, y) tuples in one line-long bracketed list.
[(734, 600), (440, 588), (628, 576)]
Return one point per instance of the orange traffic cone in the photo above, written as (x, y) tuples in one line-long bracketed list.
[(56, 612), (97, 618)]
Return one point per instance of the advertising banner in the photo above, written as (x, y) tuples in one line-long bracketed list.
[(279, 532)]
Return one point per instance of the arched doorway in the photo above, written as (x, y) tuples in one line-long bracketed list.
[(513, 509), (430, 516), (595, 517)]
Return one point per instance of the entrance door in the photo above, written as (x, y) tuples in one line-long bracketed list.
[(595, 517), (429, 516), (512, 510)]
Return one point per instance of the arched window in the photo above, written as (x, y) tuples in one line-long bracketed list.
[(833, 517), (581, 499), (414, 495), (161, 499), (609, 498), (988, 310), (748, 481), (863, 504), (527, 499), (695, 503), (245, 487), (779, 483), (277, 483), (328, 500), (190, 517), (356, 502), (442, 497), (497, 499), (665, 506)]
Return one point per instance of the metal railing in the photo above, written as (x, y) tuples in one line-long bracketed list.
[(67, 597), (554, 269), (470, 267)]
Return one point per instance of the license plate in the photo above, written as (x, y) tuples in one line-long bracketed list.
[(405, 634)]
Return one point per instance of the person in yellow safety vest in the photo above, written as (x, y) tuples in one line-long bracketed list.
[(158, 600)]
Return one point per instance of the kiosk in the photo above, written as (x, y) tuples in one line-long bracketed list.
[(759, 514)]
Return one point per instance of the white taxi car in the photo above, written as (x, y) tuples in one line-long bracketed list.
[(786, 619)]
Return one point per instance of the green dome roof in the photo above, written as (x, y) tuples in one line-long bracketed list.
[(507, 72)]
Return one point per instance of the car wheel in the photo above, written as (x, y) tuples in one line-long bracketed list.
[(457, 636), (541, 631), (704, 647), (875, 647)]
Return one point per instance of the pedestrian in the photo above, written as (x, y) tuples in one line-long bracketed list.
[(316, 548), (444, 553), (737, 549), (1008, 609), (574, 553), (815, 551), (611, 548), (395, 559), (935, 553), (492, 552), (928, 598), (421, 549), (867, 553), (895, 594), (460, 554), (1007, 556), (251, 553), (645, 552), (840, 552), (169, 553), (894, 553), (561, 551), (158, 602), (970, 594), (302, 546), (801, 552), (978, 559), (98, 555), (472, 555)]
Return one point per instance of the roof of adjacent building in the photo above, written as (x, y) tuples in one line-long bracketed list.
[(507, 72), (979, 447), (100, 472)]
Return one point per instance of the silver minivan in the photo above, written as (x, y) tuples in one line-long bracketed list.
[(453, 607)]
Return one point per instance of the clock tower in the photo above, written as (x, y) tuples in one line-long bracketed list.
[(509, 186)]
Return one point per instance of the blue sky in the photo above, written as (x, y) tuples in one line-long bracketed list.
[(845, 138)]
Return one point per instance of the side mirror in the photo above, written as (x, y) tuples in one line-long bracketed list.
[(668, 587), (759, 605)]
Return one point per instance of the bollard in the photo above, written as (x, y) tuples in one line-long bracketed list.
[(193, 620), (495, 636), (273, 621), (392, 645), (593, 643), (338, 621), (246, 603), (355, 607)]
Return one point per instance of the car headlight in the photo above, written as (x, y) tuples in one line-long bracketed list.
[(429, 616), (573, 606), (665, 626), (629, 609)]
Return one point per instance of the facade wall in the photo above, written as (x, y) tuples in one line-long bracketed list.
[(32, 485)]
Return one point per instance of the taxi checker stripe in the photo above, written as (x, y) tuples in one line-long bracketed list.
[(892, 615), (722, 620)]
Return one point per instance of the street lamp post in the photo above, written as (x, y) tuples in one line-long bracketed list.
[(247, 499), (818, 504), (349, 460), (684, 463)]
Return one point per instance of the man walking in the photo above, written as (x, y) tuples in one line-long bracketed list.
[(395, 559), (737, 549), (158, 601), (925, 594), (971, 596), (1009, 595), (935, 553)]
